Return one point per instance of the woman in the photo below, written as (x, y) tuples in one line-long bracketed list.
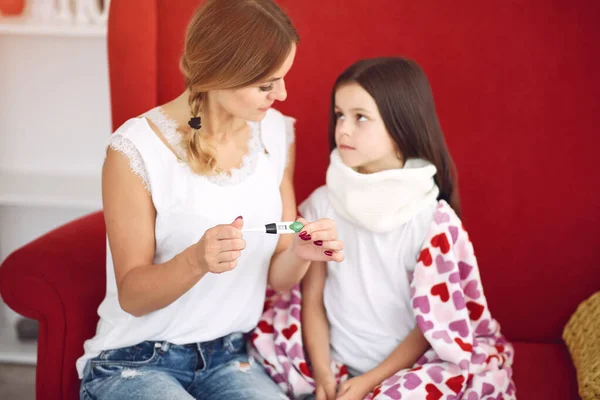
[(184, 283)]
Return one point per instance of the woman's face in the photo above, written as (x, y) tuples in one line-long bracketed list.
[(252, 103)]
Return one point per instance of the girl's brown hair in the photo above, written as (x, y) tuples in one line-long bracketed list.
[(403, 96), (230, 44)]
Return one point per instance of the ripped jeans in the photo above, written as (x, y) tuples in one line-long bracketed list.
[(215, 370)]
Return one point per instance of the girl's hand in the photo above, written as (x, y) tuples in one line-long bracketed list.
[(317, 241), (326, 388), (355, 388), (219, 248)]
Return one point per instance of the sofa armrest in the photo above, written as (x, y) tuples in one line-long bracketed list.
[(59, 280)]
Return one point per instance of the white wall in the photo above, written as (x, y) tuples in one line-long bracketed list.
[(54, 123), (54, 106)]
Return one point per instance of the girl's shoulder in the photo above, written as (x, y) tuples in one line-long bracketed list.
[(447, 232), (445, 217), (317, 205)]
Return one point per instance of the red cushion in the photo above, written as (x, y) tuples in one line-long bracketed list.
[(544, 371), (59, 279)]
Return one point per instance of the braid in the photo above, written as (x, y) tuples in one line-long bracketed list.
[(200, 155)]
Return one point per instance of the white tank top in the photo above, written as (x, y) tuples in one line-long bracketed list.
[(187, 204)]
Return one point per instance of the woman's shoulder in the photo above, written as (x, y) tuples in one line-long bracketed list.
[(277, 136), (130, 139), (133, 126), (274, 115), (147, 133), (274, 123)]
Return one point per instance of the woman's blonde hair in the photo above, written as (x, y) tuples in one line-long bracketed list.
[(230, 44)]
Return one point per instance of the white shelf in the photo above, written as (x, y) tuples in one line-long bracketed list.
[(22, 189), (12, 350), (27, 26)]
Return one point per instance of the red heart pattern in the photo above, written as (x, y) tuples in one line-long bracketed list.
[(449, 297), (475, 310), (425, 257), (376, 391), (265, 327), (289, 332), (441, 241), (304, 369), (433, 393), (441, 289), (456, 383), (468, 347)]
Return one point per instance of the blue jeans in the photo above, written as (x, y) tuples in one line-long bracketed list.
[(212, 370)]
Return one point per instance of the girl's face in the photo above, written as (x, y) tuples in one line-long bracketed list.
[(252, 103), (360, 134)]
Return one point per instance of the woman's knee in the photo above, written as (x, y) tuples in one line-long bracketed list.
[(243, 379), (134, 383)]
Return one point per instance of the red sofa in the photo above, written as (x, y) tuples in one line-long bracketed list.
[(516, 87)]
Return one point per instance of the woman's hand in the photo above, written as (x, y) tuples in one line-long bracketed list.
[(219, 248), (318, 241)]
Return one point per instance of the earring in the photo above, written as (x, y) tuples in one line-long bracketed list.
[(195, 123)]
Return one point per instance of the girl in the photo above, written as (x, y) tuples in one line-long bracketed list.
[(184, 284), (404, 315)]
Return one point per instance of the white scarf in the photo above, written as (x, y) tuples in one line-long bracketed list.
[(382, 201)]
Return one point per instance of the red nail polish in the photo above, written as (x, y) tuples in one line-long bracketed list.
[(328, 253), (303, 233), (305, 237), (240, 217), (319, 243)]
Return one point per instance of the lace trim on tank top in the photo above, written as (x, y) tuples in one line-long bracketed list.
[(168, 128), (123, 145)]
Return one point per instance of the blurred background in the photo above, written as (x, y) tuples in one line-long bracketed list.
[(516, 86), (53, 76)]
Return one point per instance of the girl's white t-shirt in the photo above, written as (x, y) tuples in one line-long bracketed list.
[(187, 204), (367, 296)]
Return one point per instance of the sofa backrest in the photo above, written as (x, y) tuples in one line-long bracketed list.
[(516, 86)]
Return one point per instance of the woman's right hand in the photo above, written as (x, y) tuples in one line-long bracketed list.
[(326, 387), (219, 248)]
